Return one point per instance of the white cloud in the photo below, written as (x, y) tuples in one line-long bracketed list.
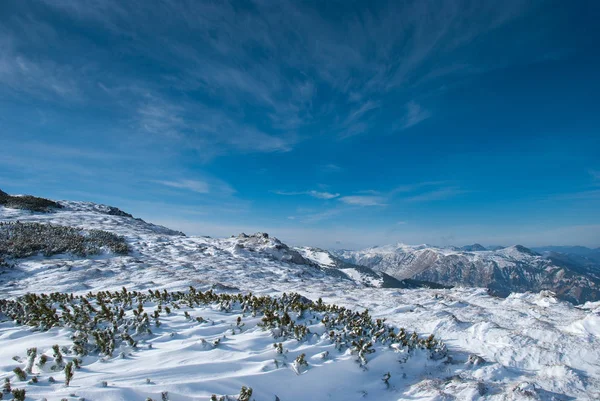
[(323, 195), (208, 130), (314, 194), (200, 187), (360, 200), (42, 79), (416, 186), (331, 168), (438, 194), (414, 115)]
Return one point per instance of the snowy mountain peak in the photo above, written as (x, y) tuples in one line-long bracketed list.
[(270, 246), (473, 248), (514, 268)]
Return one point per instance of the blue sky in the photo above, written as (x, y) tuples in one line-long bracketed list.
[(334, 124)]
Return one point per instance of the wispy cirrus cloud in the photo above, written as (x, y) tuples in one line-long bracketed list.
[(435, 195), (421, 192), (44, 79), (313, 193), (364, 200), (418, 186), (331, 168), (191, 185), (316, 74), (416, 192), (209, 130), (209, 186), (414, 114)]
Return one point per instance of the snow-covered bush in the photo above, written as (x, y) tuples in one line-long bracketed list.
[(20, 373), (28, 202), (20, 240), (107, 322)]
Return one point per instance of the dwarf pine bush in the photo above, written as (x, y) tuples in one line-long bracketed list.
[(278, 348), (300, 364), (31, 355), (20, 240), (68, 373), (6, 389), (18, 394), (28, 202), (107, 321), (20, 373), (58, 358), (245, 394), (42, 361)]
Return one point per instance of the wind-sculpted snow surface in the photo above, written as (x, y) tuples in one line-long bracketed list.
[(503, 271), (192, 345), (525, 346)]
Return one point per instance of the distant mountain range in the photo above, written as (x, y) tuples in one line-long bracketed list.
[(573, 274)]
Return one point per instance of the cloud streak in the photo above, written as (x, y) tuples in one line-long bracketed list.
[(436, 195), (364, 200), (312, 193), (200, 187), (414, 115)]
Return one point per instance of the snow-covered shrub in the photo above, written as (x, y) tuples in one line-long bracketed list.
[(68, 373), (19, 394), (300, 364), (245, 394), (28, 202), (114, 321), (6, 388), (20, 240), (20, 373), (31, 355)]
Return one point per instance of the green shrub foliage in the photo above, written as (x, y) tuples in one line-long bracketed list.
[(28, 202), (20, 240)]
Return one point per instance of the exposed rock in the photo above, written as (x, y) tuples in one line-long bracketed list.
[(475, 360), (526, 389)]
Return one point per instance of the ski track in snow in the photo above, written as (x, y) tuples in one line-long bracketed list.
[(552, 345)]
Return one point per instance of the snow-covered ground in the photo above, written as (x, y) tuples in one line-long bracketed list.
[(527, 346)]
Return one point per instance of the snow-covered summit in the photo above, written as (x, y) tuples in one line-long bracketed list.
[(267, 245), (88, 215)]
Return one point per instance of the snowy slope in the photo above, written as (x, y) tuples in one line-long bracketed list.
[(514, 268), (526, 346)]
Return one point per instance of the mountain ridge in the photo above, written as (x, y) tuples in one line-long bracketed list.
[(509, 269)]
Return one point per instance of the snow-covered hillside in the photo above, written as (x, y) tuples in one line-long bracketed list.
[(503, 271), (525, 346)]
